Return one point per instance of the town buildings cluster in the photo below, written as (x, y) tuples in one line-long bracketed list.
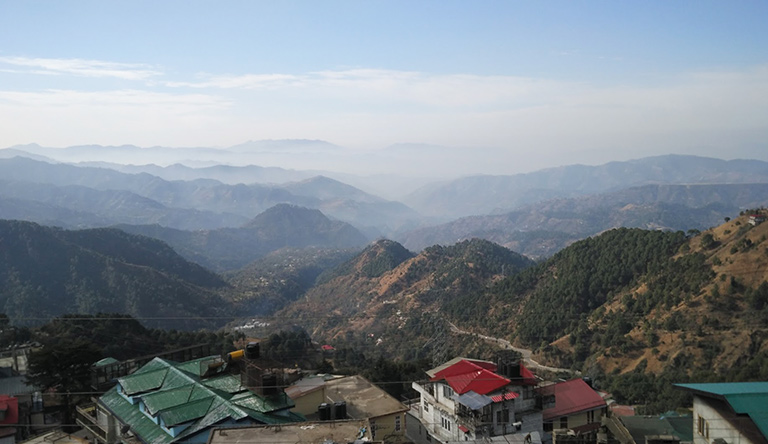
[(240, 398)]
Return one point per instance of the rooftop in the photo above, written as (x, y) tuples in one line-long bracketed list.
[(176, 394), (363, 398), (572, 397), (309, 432)]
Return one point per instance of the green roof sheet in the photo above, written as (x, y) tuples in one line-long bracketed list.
[(745, 398), (167, 398), (227, 384), (186, 412), (105, 361), (263, 404), (142, 382), (178, 395)]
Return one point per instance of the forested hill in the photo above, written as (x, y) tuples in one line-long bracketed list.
[(640, 302), (391, 297), (278, 227), (46, 272)]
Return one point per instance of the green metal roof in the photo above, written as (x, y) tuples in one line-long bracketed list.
[(263, 404), (745, 398), (226, 384), (186, 412), (167, 398), (105, 361), (142, 382), (171, 391)]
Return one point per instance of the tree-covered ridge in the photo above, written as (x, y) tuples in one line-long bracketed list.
[(584, 276), (46, 272)]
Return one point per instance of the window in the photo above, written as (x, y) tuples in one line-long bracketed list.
[(446, 423), (591, 416), (429, 437), (373, 428), (398, 425), (564, 422), (703, 427), (447, 391), (426, 406), (548, 426)]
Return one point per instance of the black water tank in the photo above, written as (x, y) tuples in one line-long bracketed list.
[(340, 410), (252, 350), (324, 411), (269, 384)]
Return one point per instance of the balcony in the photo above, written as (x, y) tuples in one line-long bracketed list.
[(88, 419)]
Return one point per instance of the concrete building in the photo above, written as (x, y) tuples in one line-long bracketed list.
[(469, 399)]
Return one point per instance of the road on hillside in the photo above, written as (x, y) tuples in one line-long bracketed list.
[(503, 343)]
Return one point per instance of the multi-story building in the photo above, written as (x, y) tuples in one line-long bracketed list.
[(469, 399), (578, 407)]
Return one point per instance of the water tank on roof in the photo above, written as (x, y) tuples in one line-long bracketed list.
[(269, 384), (252, 350), (324, 411), (340, 410)]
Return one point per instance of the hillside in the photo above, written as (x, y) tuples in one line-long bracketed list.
[(47, 272), (649, 306), (542, 229), (278, 227), (390, 297), (274, 281)]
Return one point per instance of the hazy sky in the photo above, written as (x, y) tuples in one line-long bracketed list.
[(546, 83)]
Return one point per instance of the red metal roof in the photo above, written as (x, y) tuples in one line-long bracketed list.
[(467, 375), (571, 397), (463, 429)]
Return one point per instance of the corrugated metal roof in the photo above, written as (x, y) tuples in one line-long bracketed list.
[(186, 412), (142, 382), (182, 397), (226, 384), (165, 399)]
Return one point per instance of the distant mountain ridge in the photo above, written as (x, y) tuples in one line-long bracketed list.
[(544, 228), (479, 195), (278, 227), (196, 204)]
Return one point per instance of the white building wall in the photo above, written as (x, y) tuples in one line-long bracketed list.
[(714, 425)]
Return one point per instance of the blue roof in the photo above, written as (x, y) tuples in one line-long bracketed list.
[(745, 398)]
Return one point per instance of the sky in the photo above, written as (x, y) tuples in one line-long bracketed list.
[(538, 83)]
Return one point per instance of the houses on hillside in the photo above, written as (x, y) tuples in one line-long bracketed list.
[(469, 399), (240, 399)]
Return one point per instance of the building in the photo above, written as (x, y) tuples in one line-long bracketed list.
[(756, 219), (364, 400), (307, 394), (168, 402), (469, 399), (578, 407), (729, 413), (330, 432)]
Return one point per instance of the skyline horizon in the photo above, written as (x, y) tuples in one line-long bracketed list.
[(541, 84)]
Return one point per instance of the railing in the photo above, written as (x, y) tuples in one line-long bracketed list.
[(87, 418)]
